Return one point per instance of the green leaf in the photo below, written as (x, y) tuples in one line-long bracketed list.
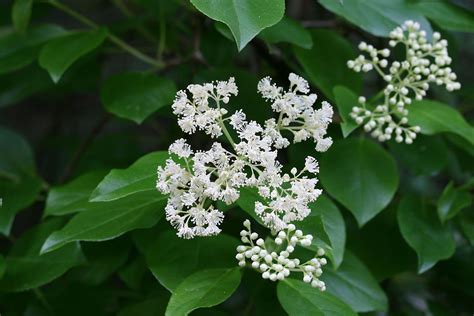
[(20, 49), (21, 13), (333, 225), (135, 96), (246, 201), (103, 259), (27, 269), (428, 156), (446, 15), (299, 298), (325, 63), (360, 175), (466, 222), (287, 31), (245, 18), (149, 307), (2, 266), (424, 233), (73, 196), (19, 183), (378, 17), (171, 259), (452, 201), (354, 284), (132, 273), (345, 101), (204, 288), (435, 117), (386, 254), (107, 220), (59, 54), (139, 177)]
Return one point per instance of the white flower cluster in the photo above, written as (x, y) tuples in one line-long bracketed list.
[(278, 265), (296, 113), (195, 179), (426, 62)]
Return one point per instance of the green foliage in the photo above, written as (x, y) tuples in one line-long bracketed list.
[(365, 183), (205, 288), (423, 231), (59, 54), (245, 18), (299, 298), (86, 89)]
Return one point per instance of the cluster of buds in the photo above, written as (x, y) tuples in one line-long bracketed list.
[(278, 265), (425, 62), (194, 180)]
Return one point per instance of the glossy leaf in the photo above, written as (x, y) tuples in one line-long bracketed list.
[(59, 54), (435, 117), (204, 288), (452, 201), (106, 220), (446, 15), (20, 49), (423, 231), (360, 175), (139, 177), (345, 101), (135, 96), (171, 259), (21, 13), (245, 18), (354, 284), (333, 227), (288, 31), (378, 17), (299, 298), (323, 63), (27, 269), (73, 196)]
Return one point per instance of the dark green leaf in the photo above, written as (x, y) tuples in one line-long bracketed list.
[(73, 196), (422, 230), (19, 183), (466, 221), (2, 266), (452, 201), (106, 220), (27, 269), (171, 259), (133, 273), (135, 96), (345, 101), (103, 259), (361, 175), (151, 307), (139, 177), (204, 288), (386, 254), (325, 63), (428, 156), (287, 31), (435, 117), (333, 225), (21, 13), (446, 15), (20, 49), (245, 18), (354, 284), (246, 201), (378, 17), (299, 298), (59, 54)]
